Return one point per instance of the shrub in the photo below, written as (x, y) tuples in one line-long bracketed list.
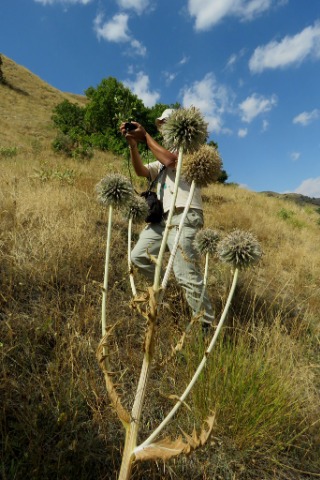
[(8, 152)]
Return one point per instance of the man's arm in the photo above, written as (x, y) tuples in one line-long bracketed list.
[(140, 169), (168, 159)]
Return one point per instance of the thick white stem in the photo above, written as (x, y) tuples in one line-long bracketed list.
[(176, 240), (205, 281), (106, 275), (156, 282), (133, 287), (133, 428), (197, 372)]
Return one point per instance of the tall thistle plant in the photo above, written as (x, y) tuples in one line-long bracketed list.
[(206, 242), (241, 250), (200, 169), (135, 212), (185, 132), (113, 191)]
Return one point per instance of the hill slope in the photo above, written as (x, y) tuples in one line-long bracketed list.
[(262, 381), (26, 104)]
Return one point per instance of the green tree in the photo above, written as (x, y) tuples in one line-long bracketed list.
[(110, 104), (81, 129), (73, 138)]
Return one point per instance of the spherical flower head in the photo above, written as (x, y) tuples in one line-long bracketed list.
[(137, 209), (203, 166), (185, 128), (240, 248), (114, 189), (206, 241)]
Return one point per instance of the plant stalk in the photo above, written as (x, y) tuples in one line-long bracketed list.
[(176, 240), (106, 275), (163, 246), (133, 429), (133, 287), (197, 372)]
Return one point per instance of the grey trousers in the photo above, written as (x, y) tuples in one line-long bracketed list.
[(186, 263)]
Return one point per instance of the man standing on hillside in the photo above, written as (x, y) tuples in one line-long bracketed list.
[(186, 268)]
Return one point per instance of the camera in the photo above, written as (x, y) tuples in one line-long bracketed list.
[(129, 126)]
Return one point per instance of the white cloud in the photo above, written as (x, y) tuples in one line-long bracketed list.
[(138, 5), (169, 76), (289, 51), (295, 156), (117, 30), (212, 99), (184, 60), (305, 118), (63, 2), (142, 89), (310, 187), (242, 132), (255, 105), (265, 125), (137, 48), (208, 13), (234, 58)]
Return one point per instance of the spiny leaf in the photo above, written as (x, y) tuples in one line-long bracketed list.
[(168, 448), (122, 413)]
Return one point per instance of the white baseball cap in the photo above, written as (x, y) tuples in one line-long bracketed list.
[(166, 114)]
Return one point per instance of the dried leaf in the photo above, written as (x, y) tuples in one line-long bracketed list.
[(164, 449), (167, 448), (122, 413)]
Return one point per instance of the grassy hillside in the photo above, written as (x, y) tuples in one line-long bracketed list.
[(56, 420), (26, 108)]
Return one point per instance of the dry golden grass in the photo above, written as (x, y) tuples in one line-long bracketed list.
[(56, 421), (26, 108)]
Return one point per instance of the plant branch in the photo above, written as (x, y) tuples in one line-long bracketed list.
[(130, 267), (163, 246), (197, 372), (176, 241), (106, 275), (132, 430)]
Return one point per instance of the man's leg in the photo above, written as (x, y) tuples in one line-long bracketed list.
[(148, 244), (186, 265)]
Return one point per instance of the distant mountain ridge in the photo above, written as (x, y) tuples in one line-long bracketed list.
[(294, 197)]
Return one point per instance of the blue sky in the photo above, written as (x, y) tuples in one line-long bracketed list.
[(251, 66)]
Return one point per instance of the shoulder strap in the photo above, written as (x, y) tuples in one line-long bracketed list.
[(152, 184)]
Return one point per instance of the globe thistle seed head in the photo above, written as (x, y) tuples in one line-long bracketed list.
[(185, 128), (206, 241), (137, 209), (114, 189), (240, 248), (203, 166)]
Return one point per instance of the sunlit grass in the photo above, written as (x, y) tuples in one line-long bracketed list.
[(262, 380)]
